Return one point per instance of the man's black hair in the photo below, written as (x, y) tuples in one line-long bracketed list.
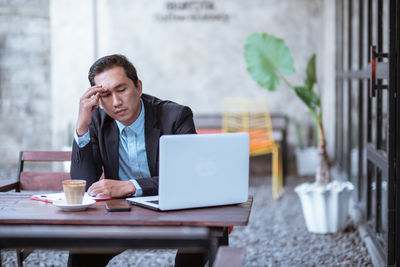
[(108, 62)]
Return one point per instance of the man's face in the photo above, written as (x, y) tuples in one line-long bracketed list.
[(121, 100)]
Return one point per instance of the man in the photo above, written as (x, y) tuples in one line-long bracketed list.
[(117, 133)]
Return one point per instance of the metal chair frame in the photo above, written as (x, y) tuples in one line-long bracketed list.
[(252, 115)]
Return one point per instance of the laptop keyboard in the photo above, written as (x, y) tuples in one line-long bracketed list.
[(153, 201)]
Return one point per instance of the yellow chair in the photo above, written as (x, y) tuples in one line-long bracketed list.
[(252, 115)]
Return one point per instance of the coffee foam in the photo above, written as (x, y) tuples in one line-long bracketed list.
[(72, 183)]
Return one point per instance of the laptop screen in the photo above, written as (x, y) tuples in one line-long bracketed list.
[(203, 170)]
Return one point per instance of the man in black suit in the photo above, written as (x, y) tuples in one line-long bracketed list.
[(117, 132)]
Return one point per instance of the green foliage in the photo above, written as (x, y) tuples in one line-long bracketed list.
[(309, 98), (267, 58), (306, 93), (311, 73)]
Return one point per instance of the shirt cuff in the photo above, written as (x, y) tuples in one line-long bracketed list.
[(139, 191), (83, 140)]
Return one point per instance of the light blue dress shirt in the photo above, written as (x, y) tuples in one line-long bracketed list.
[(132, 151)]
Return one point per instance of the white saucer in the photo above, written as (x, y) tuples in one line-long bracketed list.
[(62, 204)]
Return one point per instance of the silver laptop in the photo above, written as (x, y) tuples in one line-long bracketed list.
[(200, 170)]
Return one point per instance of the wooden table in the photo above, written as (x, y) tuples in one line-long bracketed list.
[(26, 223)]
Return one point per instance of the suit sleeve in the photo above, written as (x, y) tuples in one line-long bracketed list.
[(183, 124), (86, 161)]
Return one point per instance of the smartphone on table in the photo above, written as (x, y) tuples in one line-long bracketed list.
[(117, 205)]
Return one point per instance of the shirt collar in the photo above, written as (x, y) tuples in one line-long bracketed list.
[(136, 124)]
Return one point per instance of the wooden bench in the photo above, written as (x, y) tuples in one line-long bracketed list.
[(38, 180)]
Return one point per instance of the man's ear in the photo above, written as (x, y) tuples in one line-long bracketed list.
[(139, 87)]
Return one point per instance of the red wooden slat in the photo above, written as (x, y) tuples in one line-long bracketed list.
[(43, 180), (46, 155)]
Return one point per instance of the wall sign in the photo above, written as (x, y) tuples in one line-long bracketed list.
[(191, 11)]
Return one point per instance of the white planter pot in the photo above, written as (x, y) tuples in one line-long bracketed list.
[(307, 161), (325, 208)]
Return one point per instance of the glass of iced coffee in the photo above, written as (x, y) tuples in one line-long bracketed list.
[(74, 191)]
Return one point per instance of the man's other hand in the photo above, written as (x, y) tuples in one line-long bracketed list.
[(111, 188)]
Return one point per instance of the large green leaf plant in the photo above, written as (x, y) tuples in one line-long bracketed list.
[(268, 61)]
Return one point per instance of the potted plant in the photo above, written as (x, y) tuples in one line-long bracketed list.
[(324, 202)]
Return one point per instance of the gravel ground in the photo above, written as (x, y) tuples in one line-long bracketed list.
[(276, 236)]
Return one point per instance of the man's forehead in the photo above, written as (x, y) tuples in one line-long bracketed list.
[(112, 78), (111, 71)]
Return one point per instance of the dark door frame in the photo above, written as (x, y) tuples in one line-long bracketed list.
[(369, 98)]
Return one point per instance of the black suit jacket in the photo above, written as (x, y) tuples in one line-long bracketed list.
[(101, 153)]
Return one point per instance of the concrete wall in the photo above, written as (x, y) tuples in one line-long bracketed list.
[(327, 73), (72, 47), (192, 51), (188, 51), (25, 91)]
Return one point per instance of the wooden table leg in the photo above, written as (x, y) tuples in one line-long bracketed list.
[(221, 239)]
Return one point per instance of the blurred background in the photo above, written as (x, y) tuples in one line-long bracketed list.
[(191, 52)]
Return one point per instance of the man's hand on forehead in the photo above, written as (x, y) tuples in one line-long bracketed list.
[(92, 91), (87, 104), (104, 91)]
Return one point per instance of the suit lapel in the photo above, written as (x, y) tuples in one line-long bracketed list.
[(152, 135), (111, 134)]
